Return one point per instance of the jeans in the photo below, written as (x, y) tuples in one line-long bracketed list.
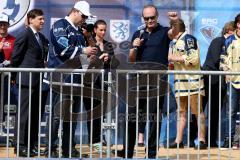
[(234, 100)]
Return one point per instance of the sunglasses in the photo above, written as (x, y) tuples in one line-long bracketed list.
[(4, 24), (83, 16), (147, 18)]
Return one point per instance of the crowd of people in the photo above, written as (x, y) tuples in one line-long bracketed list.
[(70, 46)]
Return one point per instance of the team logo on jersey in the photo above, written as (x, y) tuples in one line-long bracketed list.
[(119, 30), (190, 43), (209, 32), (15, 10)]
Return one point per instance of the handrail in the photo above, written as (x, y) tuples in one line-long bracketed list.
[(191, 72)]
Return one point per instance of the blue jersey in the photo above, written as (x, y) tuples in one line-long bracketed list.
[(66, 43), (66, 46)]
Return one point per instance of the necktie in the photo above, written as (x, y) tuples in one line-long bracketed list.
[(40, 43), (38, 39)]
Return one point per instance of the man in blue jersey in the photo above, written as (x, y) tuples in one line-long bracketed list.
[(66, 49)]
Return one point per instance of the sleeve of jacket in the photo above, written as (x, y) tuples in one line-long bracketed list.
[(45, 43), (2, 56), (226, 56), (216, 48), (19, 49), (213, 54), (191, 46), (63, 42)]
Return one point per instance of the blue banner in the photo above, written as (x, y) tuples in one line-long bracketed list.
[(210, 17)]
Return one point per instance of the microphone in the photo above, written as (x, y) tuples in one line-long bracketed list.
[(141, 32), (141, 27), (140, 36)]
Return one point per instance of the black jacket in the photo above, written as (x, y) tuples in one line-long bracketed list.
[(212, 61), (28, 53)]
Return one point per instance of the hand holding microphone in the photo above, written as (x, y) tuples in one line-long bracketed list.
[(135, 46), (138, 41)]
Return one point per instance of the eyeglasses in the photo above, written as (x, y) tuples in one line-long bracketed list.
[(4, 24), (83, 16), (147, 18)]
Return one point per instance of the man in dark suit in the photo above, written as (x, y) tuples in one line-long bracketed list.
[(212, 63), (29, 52)]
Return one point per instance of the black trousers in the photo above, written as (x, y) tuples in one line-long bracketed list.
[(142, 110), (214, 121), (152, 139), (96, 120), (65, 103), (23, 108)]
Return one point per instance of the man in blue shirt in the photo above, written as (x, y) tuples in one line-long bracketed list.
[(150, 46)]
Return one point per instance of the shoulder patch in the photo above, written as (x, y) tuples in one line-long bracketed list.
[(63, 41), (190, 42), (229, 40)]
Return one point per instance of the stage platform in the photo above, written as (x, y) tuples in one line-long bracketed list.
[(183, 154)]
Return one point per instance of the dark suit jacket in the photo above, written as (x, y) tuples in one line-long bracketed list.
[(212, 61), (28, 53)]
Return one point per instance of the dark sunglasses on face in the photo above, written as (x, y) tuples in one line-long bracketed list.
[(83, 16), (147, 18), (4, 24)]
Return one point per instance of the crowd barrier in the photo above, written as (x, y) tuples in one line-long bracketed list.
[(118, 93)]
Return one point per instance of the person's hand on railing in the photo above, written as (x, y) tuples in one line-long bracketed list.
[(171, 65), (6, 63), (13, 82), (13, 77), (228, 78)]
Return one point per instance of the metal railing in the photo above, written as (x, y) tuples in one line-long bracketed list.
[(122, 89)]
